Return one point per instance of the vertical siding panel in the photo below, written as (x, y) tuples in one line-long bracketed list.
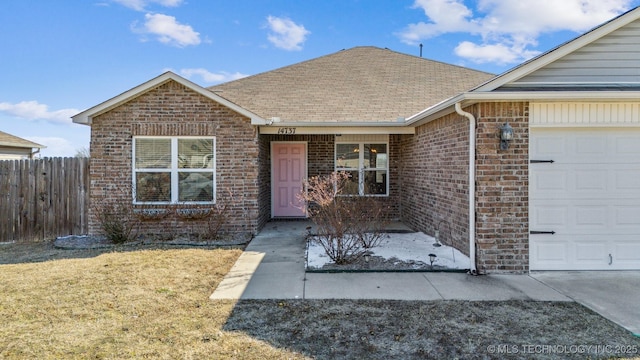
[(585, 114), (549, 113)]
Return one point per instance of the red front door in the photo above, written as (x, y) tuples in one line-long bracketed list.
[(288, 169)]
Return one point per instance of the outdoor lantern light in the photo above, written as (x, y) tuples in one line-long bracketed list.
[(506, 135)]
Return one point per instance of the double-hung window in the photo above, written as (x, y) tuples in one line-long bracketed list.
[(366, 163), (169, 170)]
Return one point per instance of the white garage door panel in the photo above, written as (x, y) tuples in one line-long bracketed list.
[(586, 252), (628, 252), (581, 181), (586, 146), (589, 197), (591, 216)]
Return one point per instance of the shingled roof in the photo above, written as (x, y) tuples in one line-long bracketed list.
[(361, 84), (9, 140)]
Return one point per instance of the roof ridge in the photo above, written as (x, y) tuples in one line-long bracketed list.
[(301, 63), (280, 68), (437, 61)]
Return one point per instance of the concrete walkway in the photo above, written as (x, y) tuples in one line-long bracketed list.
[(273, 267)]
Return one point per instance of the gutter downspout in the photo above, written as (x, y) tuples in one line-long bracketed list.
[(472, 186), (34, 153)]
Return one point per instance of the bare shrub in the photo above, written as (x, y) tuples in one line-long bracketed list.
[(368, 220), (347, 225), (219, 216), (208, 220), (117, 221)]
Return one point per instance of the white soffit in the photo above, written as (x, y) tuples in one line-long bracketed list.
[(293, 129)]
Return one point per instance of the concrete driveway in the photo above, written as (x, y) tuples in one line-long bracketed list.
[(612, 294)]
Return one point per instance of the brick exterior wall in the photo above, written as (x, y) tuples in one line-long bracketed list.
[(502, 188), (428, 171), (435, 184), (174, 110), (434, 173)]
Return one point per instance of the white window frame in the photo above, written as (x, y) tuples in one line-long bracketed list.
[(361, 169), (174, 170)]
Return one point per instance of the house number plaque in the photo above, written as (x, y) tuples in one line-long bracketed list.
[(286, 131)]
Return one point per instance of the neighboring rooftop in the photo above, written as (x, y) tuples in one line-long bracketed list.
[(361, 84), (8, 140)]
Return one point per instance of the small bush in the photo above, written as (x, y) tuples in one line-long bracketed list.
[(117, 222), (219, 216), (347, 225), (208, 220)]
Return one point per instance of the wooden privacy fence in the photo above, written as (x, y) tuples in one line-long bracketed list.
[(42, 199)]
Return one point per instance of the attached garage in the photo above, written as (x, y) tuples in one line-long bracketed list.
[(559, 188), (584, 186)]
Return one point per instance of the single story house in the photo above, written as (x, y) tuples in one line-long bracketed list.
[(16, 148), (537, 168)]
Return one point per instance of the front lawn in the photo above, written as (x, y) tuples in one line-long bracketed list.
[(133, 304), (154, 303)]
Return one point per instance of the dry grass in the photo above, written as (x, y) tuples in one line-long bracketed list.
[(137, 304), (382, 329), (154, 303)]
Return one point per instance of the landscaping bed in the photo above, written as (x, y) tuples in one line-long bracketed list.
[(396, 251)]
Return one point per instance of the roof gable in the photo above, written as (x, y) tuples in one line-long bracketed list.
[(574, 61), (9, 140), (610, 61), (361, 84), (86, 116)]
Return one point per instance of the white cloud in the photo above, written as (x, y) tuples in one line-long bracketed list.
[(499, 54), (57, 146), (445, 15), (33, 110), (169, 31), (209, 77), (507, 29), (285, 34), (140, 5)]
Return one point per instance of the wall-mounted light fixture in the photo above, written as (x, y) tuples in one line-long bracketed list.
[(506, 135)]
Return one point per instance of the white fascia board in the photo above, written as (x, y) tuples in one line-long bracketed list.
[(86, 116), (469, 98), (560, 51), (298, 129)]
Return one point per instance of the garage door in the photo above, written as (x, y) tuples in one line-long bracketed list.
[(584, 191)]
